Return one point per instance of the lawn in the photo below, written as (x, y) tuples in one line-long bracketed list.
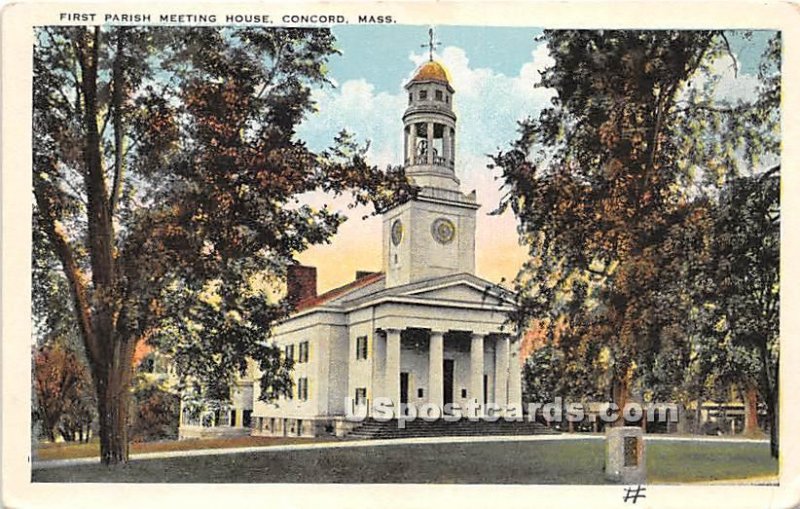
[(62, 450), (532, 462)]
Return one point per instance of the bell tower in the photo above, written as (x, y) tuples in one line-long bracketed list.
[(429, 125), (433, 235)]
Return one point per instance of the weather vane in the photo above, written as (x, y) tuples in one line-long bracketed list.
[(431, 44)]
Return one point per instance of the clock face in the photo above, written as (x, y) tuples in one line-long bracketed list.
[(397, 232), (443, 230)]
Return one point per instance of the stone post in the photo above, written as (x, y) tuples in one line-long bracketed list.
[(625, 455)]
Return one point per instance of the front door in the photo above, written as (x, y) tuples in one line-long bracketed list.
[(403, 388), (447, 380)]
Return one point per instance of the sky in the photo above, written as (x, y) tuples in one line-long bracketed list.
[(494, 71)]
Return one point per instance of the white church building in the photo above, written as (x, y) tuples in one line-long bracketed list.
[(424, 330)]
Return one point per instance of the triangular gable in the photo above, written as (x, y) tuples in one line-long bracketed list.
[(477, 292)]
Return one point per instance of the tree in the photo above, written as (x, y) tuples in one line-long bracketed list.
[(747, 279), (156, 408), (64, 402), (165, 161), (614, 186)]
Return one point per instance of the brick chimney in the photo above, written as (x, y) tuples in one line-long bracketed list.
[(301, 283), (363, 273)]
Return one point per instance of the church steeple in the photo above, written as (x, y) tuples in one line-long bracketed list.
[(432, 235), (429, 127)]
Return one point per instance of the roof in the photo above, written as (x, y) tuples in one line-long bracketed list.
[(373, 287), (337, 293), (432, 71)]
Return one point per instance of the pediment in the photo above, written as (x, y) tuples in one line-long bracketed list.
[(474, 292)]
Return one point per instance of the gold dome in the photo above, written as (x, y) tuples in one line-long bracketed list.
[(432, 71)]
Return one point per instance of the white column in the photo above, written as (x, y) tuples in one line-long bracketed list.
[(406, 135), (446, 143), (430, 142), (412, 143), (453, 148), (392, 381), (515, 374), (476, 369), (501, 370), (378, 365), (436, 369)]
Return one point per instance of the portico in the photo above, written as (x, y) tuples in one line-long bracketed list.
[(439, 367)]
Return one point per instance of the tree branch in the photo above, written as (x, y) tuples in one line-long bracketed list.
[(116, 105), (707, 107), (49, 221), (730, 53)]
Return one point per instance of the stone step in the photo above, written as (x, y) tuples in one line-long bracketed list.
[(372, 429)]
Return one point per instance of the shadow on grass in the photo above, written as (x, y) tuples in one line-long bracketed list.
[(551, 462)]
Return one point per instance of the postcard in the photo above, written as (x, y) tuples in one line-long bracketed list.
[(404, 253)]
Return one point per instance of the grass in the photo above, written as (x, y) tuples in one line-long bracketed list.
[(678, 462), (545, 462), (60, 451)]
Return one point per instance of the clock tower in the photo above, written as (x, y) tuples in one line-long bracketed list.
[(434, 234)]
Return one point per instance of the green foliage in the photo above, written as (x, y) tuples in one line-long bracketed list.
[(166, 162), (552, 372), (635, 194), (62, 388), (156, 412)]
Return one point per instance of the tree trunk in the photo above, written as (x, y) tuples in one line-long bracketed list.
[(697, 415), (680, 426), (774, 435), (769, 381), (774, 419), (750, 410), (113, 401), (619, 393)]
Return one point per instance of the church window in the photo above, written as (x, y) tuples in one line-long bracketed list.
[(410, 98), (420, 393), (361, 396), (361, 347), (438, 95), (447, 98), (302, 354), (463, 393), (302, 389), (423, 95)]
